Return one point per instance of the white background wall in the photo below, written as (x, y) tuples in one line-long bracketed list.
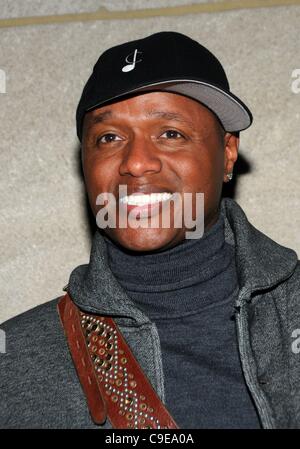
[(44, 231)]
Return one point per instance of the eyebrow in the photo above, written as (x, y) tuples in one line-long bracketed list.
[(168, 115), (100, 117)]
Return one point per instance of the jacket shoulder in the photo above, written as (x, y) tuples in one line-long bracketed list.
[(42, 312), (38, 383), (31, 337)]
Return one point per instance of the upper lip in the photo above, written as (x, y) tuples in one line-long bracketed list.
[(146, 189)]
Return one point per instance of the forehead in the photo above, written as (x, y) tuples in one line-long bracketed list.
[(152, 105)]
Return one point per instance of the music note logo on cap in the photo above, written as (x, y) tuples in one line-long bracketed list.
[(131, 60)]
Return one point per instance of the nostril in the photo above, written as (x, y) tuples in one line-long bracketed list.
[(137, 162)]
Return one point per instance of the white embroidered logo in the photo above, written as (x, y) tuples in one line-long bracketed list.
[(131, 60)]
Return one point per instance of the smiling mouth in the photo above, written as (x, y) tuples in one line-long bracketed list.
[(139, 200)]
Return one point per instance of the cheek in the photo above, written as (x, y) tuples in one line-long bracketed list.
[(202, 174), (194, 173), (97, 180), (97, 171)]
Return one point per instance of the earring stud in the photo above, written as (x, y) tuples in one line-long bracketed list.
[(229, 176)]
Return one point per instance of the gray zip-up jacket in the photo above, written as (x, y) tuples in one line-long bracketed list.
[(39, 387)]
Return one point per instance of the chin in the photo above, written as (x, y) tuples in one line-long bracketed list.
[(145, 239)]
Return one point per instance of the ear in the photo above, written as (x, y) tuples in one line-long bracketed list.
[(231, 146)]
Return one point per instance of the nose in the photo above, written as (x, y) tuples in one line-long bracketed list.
[(140, 158)]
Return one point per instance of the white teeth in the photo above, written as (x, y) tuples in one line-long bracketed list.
[(141, 200)]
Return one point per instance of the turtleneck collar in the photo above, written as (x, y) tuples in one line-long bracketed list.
[(178, 280), (178, 266)]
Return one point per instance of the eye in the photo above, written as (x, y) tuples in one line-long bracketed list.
[(108, 138), (171, 134)]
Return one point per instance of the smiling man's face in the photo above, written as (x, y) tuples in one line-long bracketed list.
[(156, 142)]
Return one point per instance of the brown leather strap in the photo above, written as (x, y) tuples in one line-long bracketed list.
[(113, 381), (70, 320)]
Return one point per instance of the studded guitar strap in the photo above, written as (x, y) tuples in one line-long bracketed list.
[(113, 381)]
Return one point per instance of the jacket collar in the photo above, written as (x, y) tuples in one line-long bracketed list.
[(261, 263)]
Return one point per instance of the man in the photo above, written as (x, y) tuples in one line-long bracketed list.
[(209, 316)]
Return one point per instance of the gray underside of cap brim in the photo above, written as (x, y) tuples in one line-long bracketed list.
[(232, 115), (229, 110)]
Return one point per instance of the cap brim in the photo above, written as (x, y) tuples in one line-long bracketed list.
[(231, 111)]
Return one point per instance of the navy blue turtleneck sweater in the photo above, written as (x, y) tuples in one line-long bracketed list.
[(188, 291)]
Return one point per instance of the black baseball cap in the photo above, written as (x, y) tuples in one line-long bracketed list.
[(165, 61)]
